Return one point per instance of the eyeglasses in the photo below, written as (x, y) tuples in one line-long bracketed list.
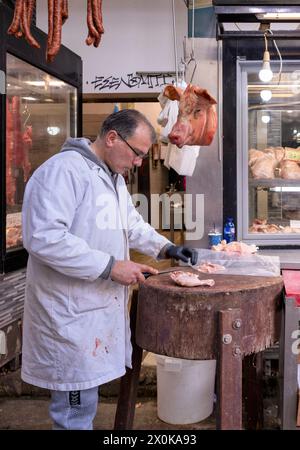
[(138, 153)]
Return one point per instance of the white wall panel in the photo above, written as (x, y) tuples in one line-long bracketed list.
[(138, 37)]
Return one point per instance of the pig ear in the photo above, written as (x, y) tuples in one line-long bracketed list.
[(172, 92), (204, 94)]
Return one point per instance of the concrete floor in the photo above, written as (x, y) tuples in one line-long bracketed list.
[(23, 407), (27, 413)]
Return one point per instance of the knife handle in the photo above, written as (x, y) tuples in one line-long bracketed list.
[(147, 274)]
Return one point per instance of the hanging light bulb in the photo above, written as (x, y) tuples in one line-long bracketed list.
[(266, 74), (265, 118), (266, 95)]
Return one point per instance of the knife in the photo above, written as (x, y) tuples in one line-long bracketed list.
[(160, 272), (169, 269)]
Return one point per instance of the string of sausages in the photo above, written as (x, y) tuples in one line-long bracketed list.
[(94, 22), (22, 20), (57, 15)]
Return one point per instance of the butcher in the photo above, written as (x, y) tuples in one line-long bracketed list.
[(78, 225)]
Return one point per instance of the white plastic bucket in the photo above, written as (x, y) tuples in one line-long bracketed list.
[(185, 389)]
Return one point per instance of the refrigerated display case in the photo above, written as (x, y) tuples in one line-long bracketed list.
[(40, 108), (268, 139), (40, 105), (39, 117), (261, 168)]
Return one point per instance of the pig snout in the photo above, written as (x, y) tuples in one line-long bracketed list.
[(179, 134)]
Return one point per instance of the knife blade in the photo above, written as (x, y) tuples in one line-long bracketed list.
[(160, 272), (168, 270)]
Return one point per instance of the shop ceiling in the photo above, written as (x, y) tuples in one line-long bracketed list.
[(249, 18)]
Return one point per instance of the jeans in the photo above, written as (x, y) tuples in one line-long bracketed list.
[(73, 410)]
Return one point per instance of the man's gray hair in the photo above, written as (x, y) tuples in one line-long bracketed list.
[(126, 122)]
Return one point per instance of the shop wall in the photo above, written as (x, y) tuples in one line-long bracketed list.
[(159, 174), (207, 176), (138, 37)]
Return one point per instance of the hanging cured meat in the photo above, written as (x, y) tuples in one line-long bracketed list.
[(17, 151), (21, 23), (94, 22), (197, 118), (58, 13), (55, 21), (21, 142), (10, 179), (26, 146)]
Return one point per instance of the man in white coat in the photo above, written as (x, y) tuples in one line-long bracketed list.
[(78, 225)]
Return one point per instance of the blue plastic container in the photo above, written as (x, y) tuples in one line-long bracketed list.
[(214, 238), (229, 230)]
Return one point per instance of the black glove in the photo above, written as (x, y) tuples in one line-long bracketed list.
[(182, 253)]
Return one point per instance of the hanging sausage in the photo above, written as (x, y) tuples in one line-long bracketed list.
[(10, 179), (55, 20), (22, 21), (58, 12), (94, 22)]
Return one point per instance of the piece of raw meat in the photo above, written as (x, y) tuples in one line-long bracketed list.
[(254, 155), (189, 279), (290, 170), (235, 247), (264, 166), (208, 267)]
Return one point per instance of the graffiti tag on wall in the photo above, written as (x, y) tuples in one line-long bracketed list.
[(132, 80)]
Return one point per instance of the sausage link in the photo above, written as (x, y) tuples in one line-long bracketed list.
[(57, 25), (97, 15), (89, 40), (28, 36), (50, 27), (30, 8), (90, 21), (65, 11), (97, 41), (16, 22)]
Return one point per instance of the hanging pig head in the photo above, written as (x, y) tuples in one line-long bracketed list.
[(197, 118)]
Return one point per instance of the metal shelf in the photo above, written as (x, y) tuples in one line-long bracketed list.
[(274, 182)]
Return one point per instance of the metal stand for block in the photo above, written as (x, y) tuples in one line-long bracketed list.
[(288, 365)]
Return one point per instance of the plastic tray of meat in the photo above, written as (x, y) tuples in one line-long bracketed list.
[(236, 264)]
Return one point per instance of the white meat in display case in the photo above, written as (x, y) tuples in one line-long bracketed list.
[(272, 162)]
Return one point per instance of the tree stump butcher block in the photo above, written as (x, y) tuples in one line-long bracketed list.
[(238, 316)]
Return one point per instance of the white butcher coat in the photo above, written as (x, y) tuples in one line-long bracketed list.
[(76, 325)]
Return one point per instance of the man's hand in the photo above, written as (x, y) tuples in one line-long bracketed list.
[(182, 253), (129, 272)]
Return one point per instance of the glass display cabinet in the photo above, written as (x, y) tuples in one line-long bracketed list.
[(40, 107), (268, 157), (261, 141)]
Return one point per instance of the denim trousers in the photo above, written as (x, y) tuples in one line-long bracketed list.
[(73, 410)]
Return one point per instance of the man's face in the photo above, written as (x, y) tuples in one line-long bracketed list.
[(129, 152)]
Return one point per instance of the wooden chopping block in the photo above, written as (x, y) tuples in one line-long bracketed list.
[(183, 322)]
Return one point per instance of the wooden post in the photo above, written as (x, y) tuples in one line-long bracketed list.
[(129, 382), (253, 372), (229, 371), (288, 365)]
